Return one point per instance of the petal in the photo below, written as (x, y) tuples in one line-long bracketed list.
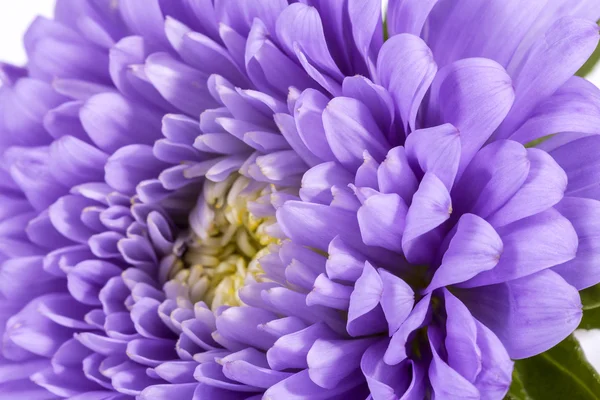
[(397, 300), (144, 18), (182, 86), (151, 352), (577, 158), (419, 316), (290, 350), (329, 293), (238, 323), (496, 373), (176, 391), (493, 29), (330, 361), (381, 220), (315, 225), (396, 176), (436, 150), (461, 339), (475, 247), (366, 19), (130, 165), (126, 70), (35, 333), (572, 108), (408, 16), (551, 61), (431, 207), (211, 373), (376, 98), (366, 175), (405, 67), (446, 382), (385, 382), (474, 95), (529, 315), (544, 187), (287, 127), (250, 374), (365, 317), (308, 114), (65, 215), (300, 25), (112, 121), (206, 55), (493, 177), (351, 129), (584, 215), (300, 387), (318, 181), (531, 245), (344, 262), (74, 162), (269, 68)]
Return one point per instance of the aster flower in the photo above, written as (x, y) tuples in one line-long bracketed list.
[(224, 199)]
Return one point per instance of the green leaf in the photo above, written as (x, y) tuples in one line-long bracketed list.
[(591, 319), (591, 63), (560, 373), (517, 390), (590, 297)]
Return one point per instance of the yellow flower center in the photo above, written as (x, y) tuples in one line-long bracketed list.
[(226, 241)]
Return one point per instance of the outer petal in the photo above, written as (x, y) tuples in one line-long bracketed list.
[(493, 177), (531, 245), (551, 62), (579, 160), (575, 107), (406, 68), (408, 16), (492, 29), (182, 86), (544, 187), (529, 315), (584, 215), (474, 95), (365, 17), (300, 25)]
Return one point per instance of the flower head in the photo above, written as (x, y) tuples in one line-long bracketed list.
[(266, 199)]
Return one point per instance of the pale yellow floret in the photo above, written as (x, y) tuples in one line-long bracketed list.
[(223, 256)]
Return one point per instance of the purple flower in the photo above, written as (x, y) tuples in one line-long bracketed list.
[(264, 199)]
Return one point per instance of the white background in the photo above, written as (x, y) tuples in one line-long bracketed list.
[(14, 19)]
